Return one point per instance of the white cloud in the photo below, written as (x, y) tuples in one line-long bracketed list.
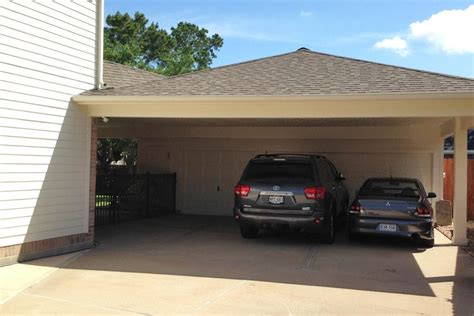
[(450, 30), (304, 13), (226, 29), (247, 29), (396, 44)]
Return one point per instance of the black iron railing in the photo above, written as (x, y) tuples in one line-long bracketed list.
[(125, 197)]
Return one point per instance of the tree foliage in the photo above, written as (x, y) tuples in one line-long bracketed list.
[(113, 150), (132, 40), (449, 142)]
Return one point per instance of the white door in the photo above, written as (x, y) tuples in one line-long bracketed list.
[(209, 180), (201, 178)]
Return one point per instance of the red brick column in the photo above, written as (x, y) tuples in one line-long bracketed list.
[(93, 171)]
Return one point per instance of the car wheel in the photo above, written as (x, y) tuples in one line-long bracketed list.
[(426, 243), (353, 236), (249, 232), (343, 221), (329, 235)]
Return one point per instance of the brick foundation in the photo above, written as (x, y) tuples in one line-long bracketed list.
[(45, 248), (64, 244)]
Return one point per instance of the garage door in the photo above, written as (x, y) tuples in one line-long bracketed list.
[(210, 175), (209, 180)]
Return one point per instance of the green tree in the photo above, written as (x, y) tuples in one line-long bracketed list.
[(136, 42), (115, 149), (133, 41), (192, 49)]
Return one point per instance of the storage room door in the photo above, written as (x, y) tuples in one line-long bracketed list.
[(201, 178), (209, 180)]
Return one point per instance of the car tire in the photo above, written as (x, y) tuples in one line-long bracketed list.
[(248, 232), (353, 236), (329, 234), (344, 215), (426, 243)]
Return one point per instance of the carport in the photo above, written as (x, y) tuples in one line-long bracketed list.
[(370, 119)]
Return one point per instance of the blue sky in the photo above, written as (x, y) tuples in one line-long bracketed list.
[(435, 35)]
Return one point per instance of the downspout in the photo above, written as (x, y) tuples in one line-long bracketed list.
[(99, 44)]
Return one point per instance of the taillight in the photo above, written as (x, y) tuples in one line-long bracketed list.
[(315, 193), (355, 208), (422, 211), (241, 190)]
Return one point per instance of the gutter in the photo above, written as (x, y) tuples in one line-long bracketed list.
[(99, 44)]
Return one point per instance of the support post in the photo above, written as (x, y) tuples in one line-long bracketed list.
[(437, 173), (460, 184)]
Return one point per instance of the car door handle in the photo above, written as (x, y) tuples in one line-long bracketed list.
[(218, 188)]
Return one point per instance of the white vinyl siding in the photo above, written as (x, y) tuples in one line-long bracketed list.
[(47, 55)]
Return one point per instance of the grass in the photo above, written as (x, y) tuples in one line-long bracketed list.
[(103, 200)]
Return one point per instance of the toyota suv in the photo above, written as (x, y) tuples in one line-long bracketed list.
[(295, 192)]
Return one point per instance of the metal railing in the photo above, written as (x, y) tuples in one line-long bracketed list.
[(125, 197)]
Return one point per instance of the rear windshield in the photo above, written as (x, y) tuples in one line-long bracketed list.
[(279, 170), (390, 188)]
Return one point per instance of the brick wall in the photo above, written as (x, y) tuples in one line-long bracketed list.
[(64, 244)]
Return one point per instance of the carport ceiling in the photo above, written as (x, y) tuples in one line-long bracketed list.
[(132, 122)]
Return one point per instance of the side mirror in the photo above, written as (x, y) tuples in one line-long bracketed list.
[(341, 177), (431, 195)]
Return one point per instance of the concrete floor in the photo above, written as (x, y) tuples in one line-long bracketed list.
[(201, 265)]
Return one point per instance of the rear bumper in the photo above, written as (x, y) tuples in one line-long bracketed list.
[(422, 228), (307, 223)]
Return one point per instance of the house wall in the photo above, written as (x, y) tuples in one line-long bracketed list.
[(47, 55), (209, 160)]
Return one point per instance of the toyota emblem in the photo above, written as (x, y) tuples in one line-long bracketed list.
[(276, 187)]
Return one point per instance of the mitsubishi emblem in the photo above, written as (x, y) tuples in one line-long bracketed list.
[(388, 204)]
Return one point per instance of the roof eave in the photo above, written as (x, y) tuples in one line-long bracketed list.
[(318, 106)]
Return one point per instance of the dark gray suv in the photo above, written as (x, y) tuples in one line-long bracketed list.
[(296, 192)]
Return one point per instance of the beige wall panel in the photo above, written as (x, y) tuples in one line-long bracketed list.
[(207, 169)]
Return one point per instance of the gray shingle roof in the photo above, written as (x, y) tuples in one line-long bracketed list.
[(302, 72), (118, 75)]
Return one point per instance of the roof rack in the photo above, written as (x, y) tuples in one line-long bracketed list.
[(289, 154)]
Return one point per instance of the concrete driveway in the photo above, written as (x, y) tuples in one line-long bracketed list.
[(201, 265)]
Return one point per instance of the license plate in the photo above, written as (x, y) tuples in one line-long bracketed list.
[(275, 199), (387, 227)]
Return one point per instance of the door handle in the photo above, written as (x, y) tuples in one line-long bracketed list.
[(218, 188)]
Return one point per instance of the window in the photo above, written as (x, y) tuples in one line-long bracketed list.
[(391, 188), (325, 172), (334, 170), (279, 170)]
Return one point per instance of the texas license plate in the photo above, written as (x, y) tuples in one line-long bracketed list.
[(275, 199), (387, 228)]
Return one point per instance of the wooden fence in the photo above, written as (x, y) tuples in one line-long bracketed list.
[(448, 183)]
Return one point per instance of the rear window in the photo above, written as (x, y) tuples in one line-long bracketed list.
[(391, 188), (279, 170)]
